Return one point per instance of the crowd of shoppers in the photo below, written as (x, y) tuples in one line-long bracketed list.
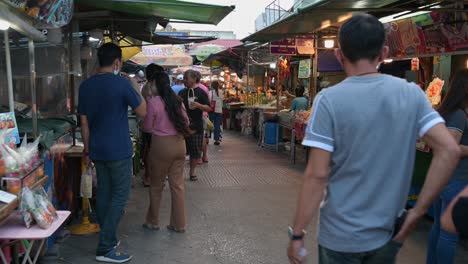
[(359, 189)]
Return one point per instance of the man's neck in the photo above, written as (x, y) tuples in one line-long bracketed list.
[(362, 67), (106, 70)]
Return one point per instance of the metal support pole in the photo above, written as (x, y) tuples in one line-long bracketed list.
[(278, 71), (315, 68), (249, 89), (11, 100), (32, 82)]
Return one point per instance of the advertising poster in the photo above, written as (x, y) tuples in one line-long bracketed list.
[(304, 69), (9, 126), (427, 34)]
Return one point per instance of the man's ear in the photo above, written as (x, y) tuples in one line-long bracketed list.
[(339, 56), (385, 53)]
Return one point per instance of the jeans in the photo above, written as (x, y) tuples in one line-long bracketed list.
[(114, 183), (216, 119), (442, 245), (384, 255)]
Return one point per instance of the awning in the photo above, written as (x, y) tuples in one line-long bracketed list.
[(322, 14), (137, 27), (169, 9)]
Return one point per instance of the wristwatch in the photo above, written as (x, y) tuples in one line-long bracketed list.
[(295, 237)]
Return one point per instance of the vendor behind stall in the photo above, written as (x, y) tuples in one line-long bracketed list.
[(300, 103)]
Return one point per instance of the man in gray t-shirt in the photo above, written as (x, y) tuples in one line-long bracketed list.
[(362, 135)]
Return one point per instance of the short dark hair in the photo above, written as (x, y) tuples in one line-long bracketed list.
[(107, 54), (362, 37), (192, 74), (199, 76), (300, 91)]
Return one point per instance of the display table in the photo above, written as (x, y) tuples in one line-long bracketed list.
[(14, 230)]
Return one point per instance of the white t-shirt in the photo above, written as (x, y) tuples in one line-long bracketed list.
[(219, 100)]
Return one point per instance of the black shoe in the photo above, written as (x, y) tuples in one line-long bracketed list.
[(217, 143)]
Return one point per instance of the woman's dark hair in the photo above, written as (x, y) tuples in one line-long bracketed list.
[(215, 86), (155, 74), (300, 91), (457, 95)]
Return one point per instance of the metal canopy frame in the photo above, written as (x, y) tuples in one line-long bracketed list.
[(325, 13)]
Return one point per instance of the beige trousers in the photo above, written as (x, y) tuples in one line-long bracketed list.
[(166, 158)]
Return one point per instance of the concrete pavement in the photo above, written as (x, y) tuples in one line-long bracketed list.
[(238, 213)]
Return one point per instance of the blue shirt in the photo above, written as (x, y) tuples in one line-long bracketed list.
[(369, 125), (300, 104), (104, 99), (177, 88)]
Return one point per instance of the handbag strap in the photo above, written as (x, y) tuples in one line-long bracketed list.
[(193, 92)]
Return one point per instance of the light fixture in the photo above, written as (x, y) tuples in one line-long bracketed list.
[(93, 39), (408, 14), (4, 25), (329, 43), (388, 60)]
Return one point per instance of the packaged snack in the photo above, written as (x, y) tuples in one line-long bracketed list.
[(44, 202), (39, 207), (27, 217)]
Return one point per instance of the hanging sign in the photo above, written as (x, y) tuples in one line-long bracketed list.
[(283, 47), (304, 69), (9, 129), (50, 13), (303, 45)]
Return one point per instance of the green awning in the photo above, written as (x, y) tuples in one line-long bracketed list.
[(169, 9), (321, 14)]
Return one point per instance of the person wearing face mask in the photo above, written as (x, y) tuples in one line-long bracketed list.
[(104, 99)]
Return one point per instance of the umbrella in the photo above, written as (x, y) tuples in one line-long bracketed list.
[(164, 55), (202, 69), (203, 51)]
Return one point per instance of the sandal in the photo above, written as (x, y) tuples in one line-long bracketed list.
[(193, 178), (175, 229), (151, 227)]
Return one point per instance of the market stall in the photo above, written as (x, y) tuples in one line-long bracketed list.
[(27, 166)]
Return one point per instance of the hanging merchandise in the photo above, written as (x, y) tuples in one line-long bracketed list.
[(434, 90), (50, 13), (10, 133)]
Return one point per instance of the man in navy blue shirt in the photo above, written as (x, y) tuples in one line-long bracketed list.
[(103, 104)]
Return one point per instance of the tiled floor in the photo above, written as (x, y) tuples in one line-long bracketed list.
[(238, 213)]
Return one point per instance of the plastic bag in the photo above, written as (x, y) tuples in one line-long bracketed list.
[(86, 187), (27, 216), (34, 203), (43, 201)]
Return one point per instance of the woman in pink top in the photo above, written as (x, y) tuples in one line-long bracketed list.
[(167, 121)]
